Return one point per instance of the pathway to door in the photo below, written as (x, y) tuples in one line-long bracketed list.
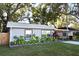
[(71, 42)]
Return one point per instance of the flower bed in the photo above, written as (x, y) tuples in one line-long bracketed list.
[(20, 41)]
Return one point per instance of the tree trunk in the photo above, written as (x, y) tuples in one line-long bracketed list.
[(4, 25), (5, 29)]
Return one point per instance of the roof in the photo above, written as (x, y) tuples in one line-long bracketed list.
[(67, 29), (61, 30), (25, 25)]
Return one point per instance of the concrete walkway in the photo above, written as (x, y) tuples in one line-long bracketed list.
[(71, 42)]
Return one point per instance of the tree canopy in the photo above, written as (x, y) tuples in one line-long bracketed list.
[(53, 13), (47, 12), (13, 10)]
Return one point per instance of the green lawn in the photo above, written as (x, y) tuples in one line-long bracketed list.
[(57, 49)]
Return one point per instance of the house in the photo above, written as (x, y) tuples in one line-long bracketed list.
[(27, 30), (66, 33)]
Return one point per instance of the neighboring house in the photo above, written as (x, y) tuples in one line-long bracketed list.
[(27, 30), (66, 33)]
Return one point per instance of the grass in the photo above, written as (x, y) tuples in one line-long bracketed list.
[(54, 49)]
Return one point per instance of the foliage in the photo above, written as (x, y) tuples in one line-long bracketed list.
[(15, 37), (74, 10), (45, 13), (18, 40), (33, 40), (76, 35), (46, 38), (21, 40), (13, 10)]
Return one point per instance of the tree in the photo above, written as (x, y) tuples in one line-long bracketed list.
[(14, 11), (49, 12), (74, 9), (65, 20), (53, 13), (45, 13)]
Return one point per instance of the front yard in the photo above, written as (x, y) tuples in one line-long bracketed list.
[(54, 49)]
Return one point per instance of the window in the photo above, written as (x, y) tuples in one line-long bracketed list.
[(28, 34), (45, 31), (64, 33)]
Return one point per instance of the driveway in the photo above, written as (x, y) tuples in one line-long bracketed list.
[(71, 42)]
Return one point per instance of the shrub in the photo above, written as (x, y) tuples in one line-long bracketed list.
[(76, 35), (19, 40), (33, 40), (15, 37), (46, 38), (12, 43)]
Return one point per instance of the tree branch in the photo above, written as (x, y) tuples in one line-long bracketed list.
[(11, 4), (17, 7)]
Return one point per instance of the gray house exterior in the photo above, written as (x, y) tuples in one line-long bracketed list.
[(23, 29)]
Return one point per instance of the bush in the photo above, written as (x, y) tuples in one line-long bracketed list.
[(46, 38), (12, 43), (33, 40), (76, 35), (19, 40), (15, 37)]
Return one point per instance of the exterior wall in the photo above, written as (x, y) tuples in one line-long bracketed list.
[(16, 32), (52, 31), (46, 31), (37, 32), (70, 33), (27, 34), (60, 33), (21, 32)]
